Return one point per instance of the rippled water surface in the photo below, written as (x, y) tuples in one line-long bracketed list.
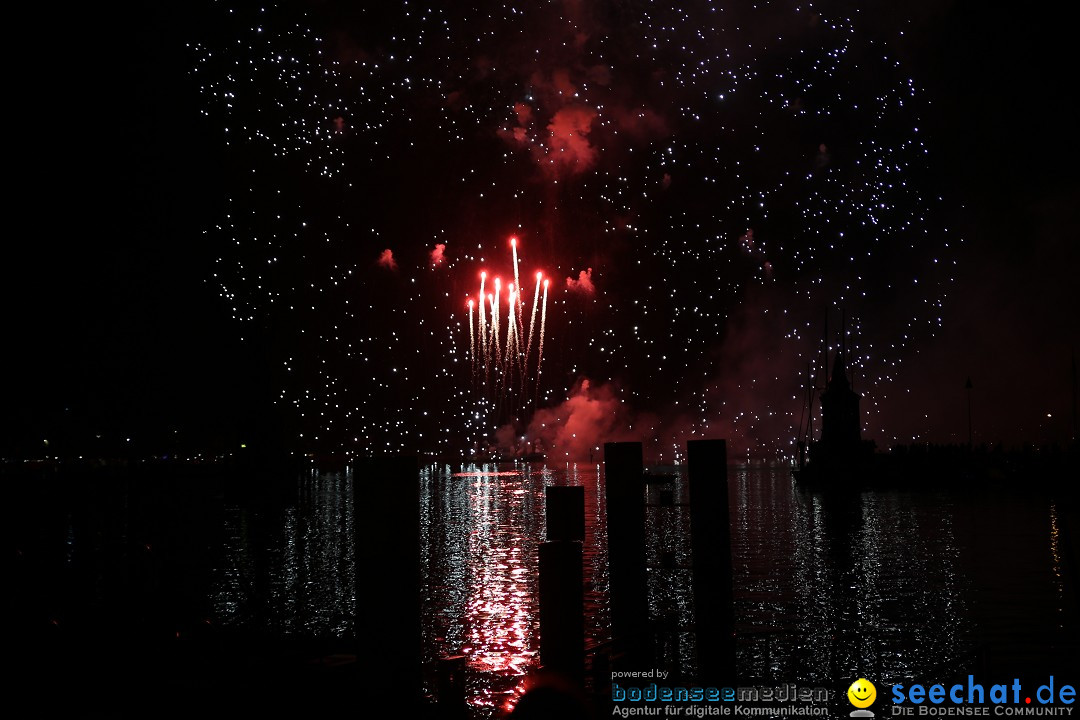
[(885, 584)]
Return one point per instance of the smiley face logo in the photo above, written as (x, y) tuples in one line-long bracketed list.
[(862, 693)]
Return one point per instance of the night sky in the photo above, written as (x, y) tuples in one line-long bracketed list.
[(731, 174)]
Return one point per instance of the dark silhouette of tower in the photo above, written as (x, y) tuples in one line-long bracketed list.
[(840, 431), (840, 453)]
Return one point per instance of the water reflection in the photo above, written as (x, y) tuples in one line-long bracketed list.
[(667, 558), (1055, 555), (290, 570), (480, 532), (828, 585), (844, 585), (503, 532)]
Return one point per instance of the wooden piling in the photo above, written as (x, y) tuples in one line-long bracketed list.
[(710, 540), (451, 682), (565, 512), (624, 486), (386, 499), (562, 609)]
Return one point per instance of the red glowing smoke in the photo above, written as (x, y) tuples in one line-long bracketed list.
[(386, 259), (583, 284), (438, 256), (581, 424), (524, 114), (640, 123), (519, 135), (567, 101), (568, 145), (577, 429)]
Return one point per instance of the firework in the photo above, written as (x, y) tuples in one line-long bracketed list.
[(756, 187), (532, 317), (511, 334), (495, 322), (472, 341), (513, 245), (508, 352), (540, 347), (483, 326)]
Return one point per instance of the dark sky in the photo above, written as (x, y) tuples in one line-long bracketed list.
[(1001, 81), (116, 330)]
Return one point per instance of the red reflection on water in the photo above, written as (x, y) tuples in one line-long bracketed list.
[(502, 590), (483, 557)]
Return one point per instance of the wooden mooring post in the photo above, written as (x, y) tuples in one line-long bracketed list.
[(565, 512), (624, 485), (710, 540), (453, 704), (386, 500), (562, 610)]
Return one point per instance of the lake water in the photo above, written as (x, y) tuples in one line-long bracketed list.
[(892, 585)]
